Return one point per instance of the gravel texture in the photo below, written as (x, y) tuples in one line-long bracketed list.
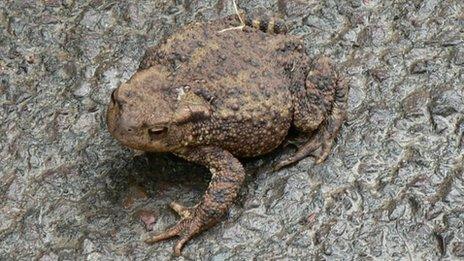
[(393, 187)]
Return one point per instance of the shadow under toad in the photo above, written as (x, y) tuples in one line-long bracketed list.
[(165, 177)]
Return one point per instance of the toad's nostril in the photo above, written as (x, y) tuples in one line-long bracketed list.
[(127, 124)]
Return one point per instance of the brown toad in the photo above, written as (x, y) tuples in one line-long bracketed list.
[(210, 95)]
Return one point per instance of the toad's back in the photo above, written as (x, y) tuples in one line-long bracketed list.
[(242, 74)]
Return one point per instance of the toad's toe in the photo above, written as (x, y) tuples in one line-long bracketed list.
[(186, 228)]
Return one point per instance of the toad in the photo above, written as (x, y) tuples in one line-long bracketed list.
[(211, 95)]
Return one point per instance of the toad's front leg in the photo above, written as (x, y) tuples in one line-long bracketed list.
[(227, 176)]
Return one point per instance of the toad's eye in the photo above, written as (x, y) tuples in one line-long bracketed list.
[(155, 132)]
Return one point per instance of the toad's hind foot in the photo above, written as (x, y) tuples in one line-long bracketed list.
[(322, 140), (309, 147), (326, 88)]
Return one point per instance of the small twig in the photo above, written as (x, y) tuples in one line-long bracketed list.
[(238, 13), (232, 28), (242, 23)]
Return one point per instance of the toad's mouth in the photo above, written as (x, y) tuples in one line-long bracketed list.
[(112, 113)]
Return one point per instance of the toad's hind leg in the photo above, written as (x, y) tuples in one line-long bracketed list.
[(320, 110), (228, 175)]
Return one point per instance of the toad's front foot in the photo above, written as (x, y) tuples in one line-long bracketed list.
[(227, 176), (193, 221)]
